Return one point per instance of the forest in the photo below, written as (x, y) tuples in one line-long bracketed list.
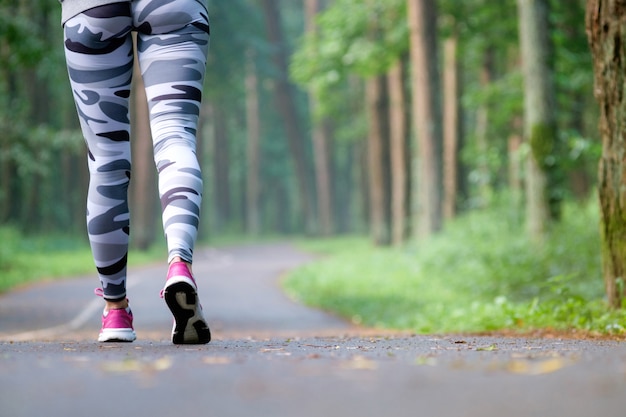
[(391, 119)]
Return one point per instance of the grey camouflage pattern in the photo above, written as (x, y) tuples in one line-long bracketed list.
[(172, 46)]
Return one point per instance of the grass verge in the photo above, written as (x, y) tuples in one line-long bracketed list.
[(25, 260), (481, 274), (29, 259)]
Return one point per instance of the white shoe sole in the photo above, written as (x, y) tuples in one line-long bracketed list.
[(117, 335)]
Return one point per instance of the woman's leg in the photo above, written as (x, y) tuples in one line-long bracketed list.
[(98, 49), (172, 45)]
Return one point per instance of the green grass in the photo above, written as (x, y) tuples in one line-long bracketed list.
[(31, 259), (480, 274)]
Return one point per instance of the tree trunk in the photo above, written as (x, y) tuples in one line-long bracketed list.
[(142, 192), (29, 214), (607, 38), (347, 188), (361, 156), (221, 168), (253, 149), (280, 207), (451, 127), (539, 116), (286, 105), (204, 150), (482, 131), (378, 160), (581, 181), (398, 132), (515, 168), (6, 174), (426, 115), (321, 154), (321, 142)]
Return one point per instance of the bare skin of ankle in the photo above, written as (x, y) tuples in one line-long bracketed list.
[(112, 305), (179, 259)]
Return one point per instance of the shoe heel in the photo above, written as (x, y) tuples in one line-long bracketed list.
[(182, 300)]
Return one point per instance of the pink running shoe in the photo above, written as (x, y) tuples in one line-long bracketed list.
[(181, 296), (117, 324)]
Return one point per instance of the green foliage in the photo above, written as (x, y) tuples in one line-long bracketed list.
[(480, 274), (41, 148), (28, 259), (39, 141), (542, 140), (17, 35), (504, 94), (504, 99), (236, 28), (350, 40), (38, 149), (488, 38), (8, 235), (481, 25), (573, 68)]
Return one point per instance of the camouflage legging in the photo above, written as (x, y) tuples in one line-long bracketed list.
[(172, 44)]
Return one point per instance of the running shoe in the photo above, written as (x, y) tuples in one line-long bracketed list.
[(117, 324), (181, 296)]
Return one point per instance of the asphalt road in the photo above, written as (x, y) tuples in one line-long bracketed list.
[(272, 357)]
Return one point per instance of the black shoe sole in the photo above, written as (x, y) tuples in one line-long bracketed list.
[(183, 315)]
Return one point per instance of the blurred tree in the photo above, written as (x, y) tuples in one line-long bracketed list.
[(221, 166), (286, 105), (540, 127), (378, 159), (607, 38), (451, 126), (236, 29), (426, 115), (143, 197), (39, 143), (356, 40), (253, 146), (399, 151), (577, 111), (321, 139)]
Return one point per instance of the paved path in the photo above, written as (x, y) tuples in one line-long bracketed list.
[(238, 287), (272, 357)]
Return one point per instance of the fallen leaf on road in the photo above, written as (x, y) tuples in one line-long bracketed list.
[(216, 360), (121, 366), (162, 364), (360, 362), (133, 365), (538, 367), (425, 361), (487, 348)]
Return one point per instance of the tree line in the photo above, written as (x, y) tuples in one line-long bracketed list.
[(386, 117)]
